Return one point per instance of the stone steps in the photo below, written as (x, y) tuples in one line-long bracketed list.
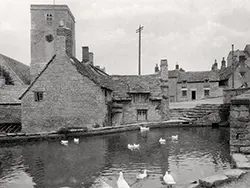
[(193, 114)]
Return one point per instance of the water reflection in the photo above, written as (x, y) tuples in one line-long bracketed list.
[(199, 152)]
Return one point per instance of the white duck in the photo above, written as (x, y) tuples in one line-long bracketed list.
[(64, 142), (76, 140), (130, 146), (175, 137), (142, 176), (136, 146), (121, 182), (168, 179), (142, 129), (162, 141)]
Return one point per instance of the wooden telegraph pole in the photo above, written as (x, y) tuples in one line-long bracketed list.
[(139, 58)]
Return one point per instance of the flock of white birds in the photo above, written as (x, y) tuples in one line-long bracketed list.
[(121, 182)]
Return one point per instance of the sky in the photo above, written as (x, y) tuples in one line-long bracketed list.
[(191, 32)]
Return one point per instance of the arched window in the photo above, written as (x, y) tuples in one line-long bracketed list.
[(49, 18)]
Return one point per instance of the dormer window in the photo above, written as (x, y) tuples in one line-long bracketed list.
[(49, 18)]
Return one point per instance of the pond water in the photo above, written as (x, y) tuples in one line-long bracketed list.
[(199, 152)]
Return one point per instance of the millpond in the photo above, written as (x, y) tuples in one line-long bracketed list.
[(199, 152)]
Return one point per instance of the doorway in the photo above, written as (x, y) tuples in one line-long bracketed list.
[(193, 95)]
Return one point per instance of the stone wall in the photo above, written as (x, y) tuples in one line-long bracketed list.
[(129, 112), (69, 100), (228, 94), (41, 49), (10, 113), (240, 124), (215, 90)]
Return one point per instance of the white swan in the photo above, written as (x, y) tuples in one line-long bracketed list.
[(64, 142), (162, 141), (175, 137), (168, 179), (143, 175), (76, 140), (144, 129), (121, 182)]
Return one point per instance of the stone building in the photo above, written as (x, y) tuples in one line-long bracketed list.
[(197, 85), (14, 79), (66, 92)]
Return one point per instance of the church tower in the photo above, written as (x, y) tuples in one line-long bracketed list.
[(45, 20)]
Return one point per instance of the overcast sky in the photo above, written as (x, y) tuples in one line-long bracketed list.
[(190, 32)]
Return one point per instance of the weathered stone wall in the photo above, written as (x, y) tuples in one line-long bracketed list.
[(10, 113), (70, 100), (215, 91), (172, 89), (240, 126), (42, 50), (129, 113), (228, 94)]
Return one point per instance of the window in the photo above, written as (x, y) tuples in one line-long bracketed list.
[(184, 93), (142, 115), (105, 93), (38, 96), (206, 92), (140, 97), (49, 19)]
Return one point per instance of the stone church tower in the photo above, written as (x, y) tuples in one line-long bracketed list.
[(45, 21)]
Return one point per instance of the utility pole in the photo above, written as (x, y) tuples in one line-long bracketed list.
[(232, 66), (139, 58)]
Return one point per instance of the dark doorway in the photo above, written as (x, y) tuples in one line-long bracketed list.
[(193, 95)]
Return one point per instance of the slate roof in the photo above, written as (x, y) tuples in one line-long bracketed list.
[(125, 84), (21, 70), (96, 75), (198, 76)]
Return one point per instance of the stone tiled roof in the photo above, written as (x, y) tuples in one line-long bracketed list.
[(11, 93), (21, 70), (93, 73), (173, 73), (123, 85), (198, 76)]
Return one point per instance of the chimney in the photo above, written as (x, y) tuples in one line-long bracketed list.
[(91, 58), (223, 63), (156, 68), (97, 66), (177, 66), (103, 69), (85, 54), (164, 90), (63, 34), (215, 65), (164, 69)]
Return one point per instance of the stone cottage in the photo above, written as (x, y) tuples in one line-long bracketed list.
[(197, 85), (65, 92), (14, 79)]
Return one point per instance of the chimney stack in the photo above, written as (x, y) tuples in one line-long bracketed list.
[(223, 63), (177, 66), (156, 68), (91, 58), (85, 54), (215, 65)]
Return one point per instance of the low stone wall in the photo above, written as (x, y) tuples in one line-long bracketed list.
[(240, 125), (10, 113), (228, 94)]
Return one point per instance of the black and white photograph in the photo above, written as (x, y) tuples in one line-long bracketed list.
[(124, 94)]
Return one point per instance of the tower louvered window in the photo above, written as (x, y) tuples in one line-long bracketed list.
[(49, 19)]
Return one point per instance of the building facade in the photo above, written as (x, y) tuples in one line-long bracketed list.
[(65, 92)]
